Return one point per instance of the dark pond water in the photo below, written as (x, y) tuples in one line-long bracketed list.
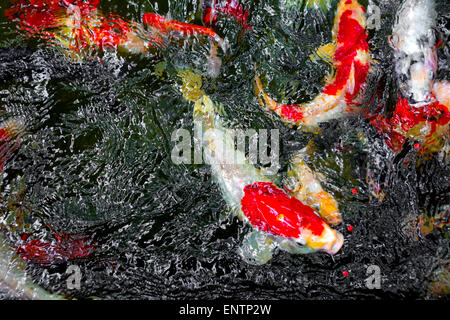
[(95, 160)]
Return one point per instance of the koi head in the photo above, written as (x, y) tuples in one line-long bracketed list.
[(269, 209)]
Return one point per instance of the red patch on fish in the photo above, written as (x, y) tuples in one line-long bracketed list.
[(408, 116), (351, 38), (209, 13), (291, 112), (65, 247), (272, 210), (234, 9), (393, 139)]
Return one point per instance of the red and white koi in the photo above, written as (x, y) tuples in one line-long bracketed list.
[(278, 219), (342, 92), (422, 111)]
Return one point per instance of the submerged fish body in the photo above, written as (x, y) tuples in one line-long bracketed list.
[(80, 28), (65, 248), (422, 110), (229, 166), (414, 43), (306, 187), (13, 277), (341, 94), (278, 219)]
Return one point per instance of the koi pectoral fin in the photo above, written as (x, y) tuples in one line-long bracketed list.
[(325, 53)]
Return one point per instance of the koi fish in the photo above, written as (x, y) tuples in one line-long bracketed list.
[(75, 25), (278, 219), (65, 248), (79, 26), (422, 110), (39, 16), (428, 125), (163, 25), (211, 10), (341, 94)]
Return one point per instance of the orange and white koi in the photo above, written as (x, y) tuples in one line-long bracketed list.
[(342, 92), (305, 186)]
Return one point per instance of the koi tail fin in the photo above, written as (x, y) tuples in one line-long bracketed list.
[(214, 62)]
